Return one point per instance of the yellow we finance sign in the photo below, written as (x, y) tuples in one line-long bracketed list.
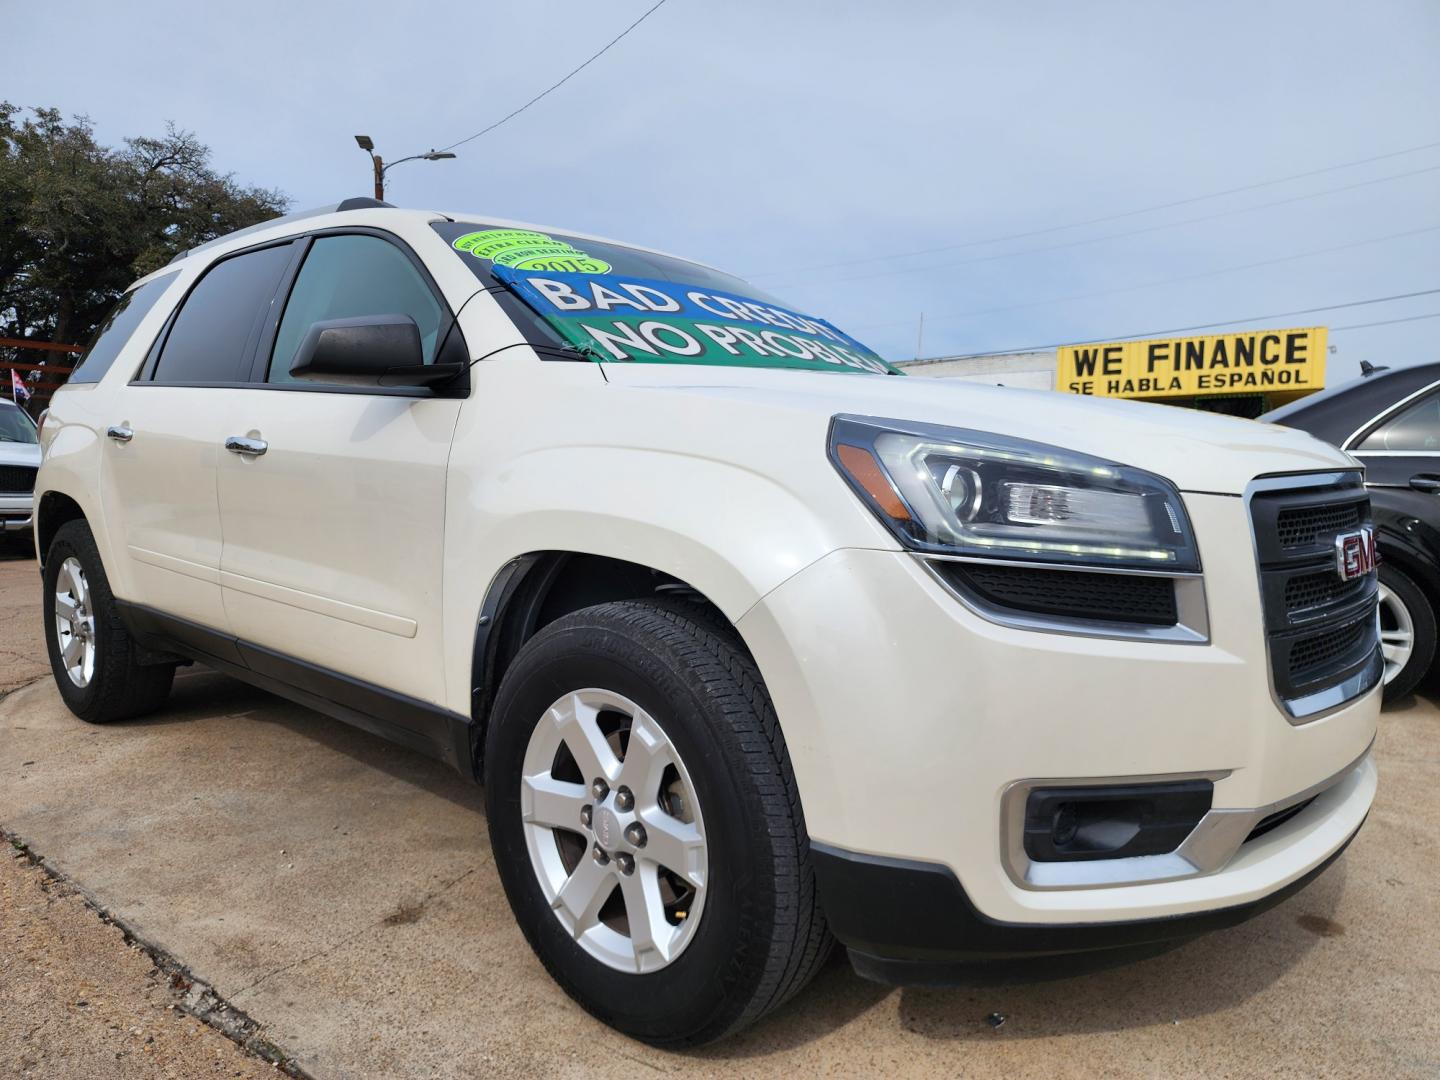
[(1253, 361)]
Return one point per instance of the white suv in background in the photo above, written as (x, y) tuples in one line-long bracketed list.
[(19, 461), (753, 643)]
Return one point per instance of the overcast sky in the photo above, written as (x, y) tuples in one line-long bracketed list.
[(771, 138)]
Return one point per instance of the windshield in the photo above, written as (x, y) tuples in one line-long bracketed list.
[(15, 425), (615, 304)]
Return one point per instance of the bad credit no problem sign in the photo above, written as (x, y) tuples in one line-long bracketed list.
[(1253, 361)]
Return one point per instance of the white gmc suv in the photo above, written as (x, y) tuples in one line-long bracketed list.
[(753, 643)]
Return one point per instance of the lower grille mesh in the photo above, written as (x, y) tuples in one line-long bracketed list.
[(1070, 593)]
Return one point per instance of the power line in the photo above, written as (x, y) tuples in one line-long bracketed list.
[(1212, 325), (1385, 322), (1132, 232), (1108, 217), (1166, 281), (550, 89)]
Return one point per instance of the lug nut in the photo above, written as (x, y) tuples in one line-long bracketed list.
[(601, 855), (635, 834), (625, 862), (599, 788), (586, 813), (624, 800)]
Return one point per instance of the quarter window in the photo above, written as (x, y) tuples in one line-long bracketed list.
[(1416, 429), (115, 331), (349, 276), (213, 336)]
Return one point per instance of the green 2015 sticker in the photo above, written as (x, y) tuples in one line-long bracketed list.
[(526, 250)]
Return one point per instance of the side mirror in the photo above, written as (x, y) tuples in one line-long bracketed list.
[(368, 350)]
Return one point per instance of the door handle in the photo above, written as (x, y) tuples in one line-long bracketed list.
[(121, 433), (238, 444), (1425, 482)]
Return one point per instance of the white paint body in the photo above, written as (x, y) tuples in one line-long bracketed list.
[(365, 541)]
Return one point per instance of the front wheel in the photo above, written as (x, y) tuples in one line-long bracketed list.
[(646, 825), (1407, 632)]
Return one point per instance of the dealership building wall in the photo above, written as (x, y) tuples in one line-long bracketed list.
[(1024, 370)]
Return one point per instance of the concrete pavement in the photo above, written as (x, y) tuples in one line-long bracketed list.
[(341, 892)]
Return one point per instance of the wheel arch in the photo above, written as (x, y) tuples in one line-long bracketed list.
[(52, 510), (534, 589)]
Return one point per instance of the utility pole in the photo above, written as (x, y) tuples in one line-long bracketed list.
[(920, 337), (368, 145)]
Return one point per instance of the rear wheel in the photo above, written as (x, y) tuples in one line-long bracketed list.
[(646, 825), (1407, 632), (94, 659)]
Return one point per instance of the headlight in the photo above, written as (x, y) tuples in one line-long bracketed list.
[(948, 491)]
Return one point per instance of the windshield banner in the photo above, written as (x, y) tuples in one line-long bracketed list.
[(618, 317)]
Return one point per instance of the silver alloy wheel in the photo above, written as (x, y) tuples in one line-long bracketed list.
[(616, 839), (1397, 632), (75, 622)]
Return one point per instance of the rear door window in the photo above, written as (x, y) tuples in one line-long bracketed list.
[(1414, 430), (117, 328), (215, 332)]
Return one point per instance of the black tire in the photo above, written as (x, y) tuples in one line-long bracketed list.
[(762, 935), (120, 688), (1422, 617)]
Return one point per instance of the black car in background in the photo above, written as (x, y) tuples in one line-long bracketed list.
[(1390, 420)]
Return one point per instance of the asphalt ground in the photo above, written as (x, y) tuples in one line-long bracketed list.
[(338, 895)]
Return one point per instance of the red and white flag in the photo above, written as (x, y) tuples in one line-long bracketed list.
[(18, 390)]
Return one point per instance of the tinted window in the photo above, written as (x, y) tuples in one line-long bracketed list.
[(1415, 428), (212, 336), (348, 276), (15, 425), (115, 331)]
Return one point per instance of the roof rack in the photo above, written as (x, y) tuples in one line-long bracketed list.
[(357, 203)]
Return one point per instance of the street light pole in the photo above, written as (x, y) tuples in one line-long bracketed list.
[(368, 145)]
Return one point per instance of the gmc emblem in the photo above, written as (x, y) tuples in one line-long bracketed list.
[(1355, 554)]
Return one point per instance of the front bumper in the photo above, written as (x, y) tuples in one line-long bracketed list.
[(908, 717), (15, 512), (909, 924)]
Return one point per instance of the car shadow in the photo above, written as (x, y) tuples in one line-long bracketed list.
[(1217, 972), (201, 693), (1058, 996)]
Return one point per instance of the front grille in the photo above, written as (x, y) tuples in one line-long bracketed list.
[(1074, 594), (17, 479), (1308, 592), (1321, 630), (1301, 526), (1320, 651)]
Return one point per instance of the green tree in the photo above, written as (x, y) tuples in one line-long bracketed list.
[(80, 221)]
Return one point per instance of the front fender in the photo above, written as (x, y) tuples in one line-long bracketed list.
[(730, 532)]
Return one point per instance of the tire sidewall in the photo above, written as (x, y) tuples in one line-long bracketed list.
[(688, 993), (71, 542), (1422, 617)]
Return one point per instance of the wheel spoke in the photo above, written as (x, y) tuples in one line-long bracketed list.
[(675, 845), (556, 803), (66, 607), (1396, 637), (584, 894), (647, 755), (73, 651), (580, 733), (79, 587), (645, 911)]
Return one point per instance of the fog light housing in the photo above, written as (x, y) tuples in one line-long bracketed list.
[(1077, 824)]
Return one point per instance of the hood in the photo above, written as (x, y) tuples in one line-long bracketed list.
[(1196, 451), (12, 453)]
